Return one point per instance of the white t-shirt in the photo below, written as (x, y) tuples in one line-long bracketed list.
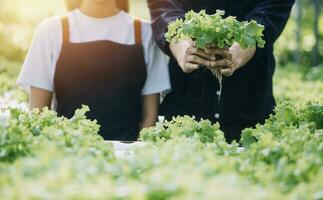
[(39, 67)]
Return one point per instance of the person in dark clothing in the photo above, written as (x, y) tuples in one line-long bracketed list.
[(247, 96)]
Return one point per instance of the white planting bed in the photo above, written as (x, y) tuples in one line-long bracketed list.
[(125, 149)]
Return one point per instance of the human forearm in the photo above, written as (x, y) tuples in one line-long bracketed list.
[(39, 98), (162, 13), (150, 110), (273, 15)]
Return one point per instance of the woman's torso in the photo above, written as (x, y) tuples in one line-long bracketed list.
[(107, 44)]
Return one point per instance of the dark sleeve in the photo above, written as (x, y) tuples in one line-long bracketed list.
[(162, 13), (273, 14)]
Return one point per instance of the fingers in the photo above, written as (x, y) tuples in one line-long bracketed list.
[(220, 63), (197, 60), (219, 52), (206, 62), (211, 54), (199, 56), (195, 57), (227, 72), (198, 52), (212, 45), (190, 67), (194, 62)]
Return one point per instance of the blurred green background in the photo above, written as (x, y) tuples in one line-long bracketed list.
[(297, 51)]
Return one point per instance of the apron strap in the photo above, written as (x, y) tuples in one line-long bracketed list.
[(66, 30), (138, 36)]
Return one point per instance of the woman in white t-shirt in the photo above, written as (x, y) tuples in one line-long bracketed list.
[(97, 55)]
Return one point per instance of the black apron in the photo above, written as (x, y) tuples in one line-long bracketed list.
[(106, 76)]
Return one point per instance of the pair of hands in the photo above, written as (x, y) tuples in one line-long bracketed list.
[(226, 61)]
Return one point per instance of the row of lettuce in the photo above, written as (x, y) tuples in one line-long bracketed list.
[(43, 156)]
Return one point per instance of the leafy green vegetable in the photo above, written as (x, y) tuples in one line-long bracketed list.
[(183, 159), (214, 29), (21, 134), (184, 127), (314, 113)]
